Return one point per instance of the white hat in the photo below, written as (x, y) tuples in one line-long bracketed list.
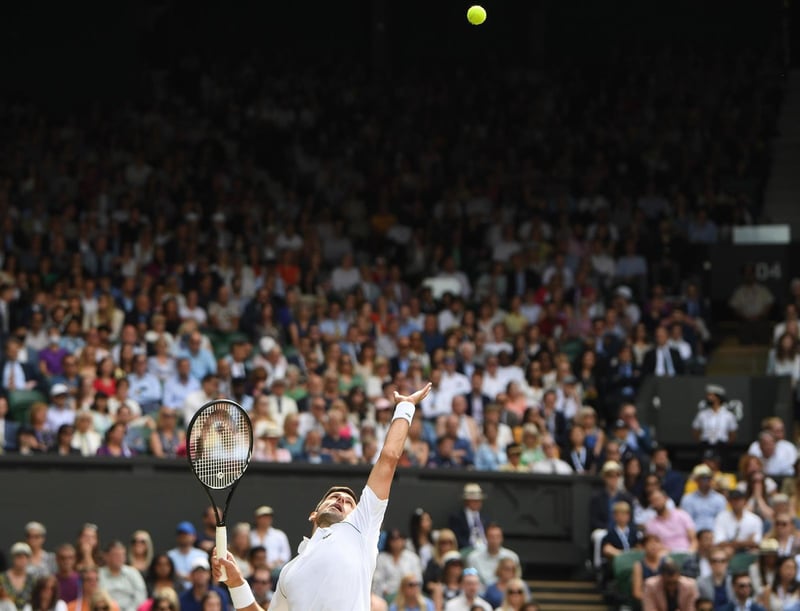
[(59, 389), (624, 291), (266, 344), (473, 492), (200, 563)]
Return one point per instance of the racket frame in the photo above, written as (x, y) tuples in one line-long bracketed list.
[(221, 530)]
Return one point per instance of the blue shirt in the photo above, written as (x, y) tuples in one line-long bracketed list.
[(703, 509), (189, 603), (201, 364)]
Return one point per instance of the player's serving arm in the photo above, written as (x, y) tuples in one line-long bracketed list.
[(333, 569)]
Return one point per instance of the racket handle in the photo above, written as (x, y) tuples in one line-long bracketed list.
[(222, 550)]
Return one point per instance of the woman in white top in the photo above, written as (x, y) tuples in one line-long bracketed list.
[(393, 564), (784, 359)]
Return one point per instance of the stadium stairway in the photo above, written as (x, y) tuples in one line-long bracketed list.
[(733, 358), (568, 595), (782, 197)]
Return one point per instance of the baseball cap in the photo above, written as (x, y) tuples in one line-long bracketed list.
[(185, 528), (200, 563), (264, 510), (59, 389), (382, 403), (611, 465), (736, 493), (36, 528), (452, 556), (473, 492)]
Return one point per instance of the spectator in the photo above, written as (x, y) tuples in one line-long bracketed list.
[(468, 599), (743, 593), (622, 537), (600, 514), (194, 597), (17, 375), (17, 581), (409, 596), (669, 589), (661, 360), (551, 463), (85, 439), (201, 360), (469, 524), (392, 564), (88, 590), (765, 569), (184, 554), (777, 454), (704, 504), (273, 539), (41, 561), (486, 560), (784, 592), (61, 410), (209, 389), (8, 429), (180, 386), (784, 360), (516, 595), (507, 572), (45, 596), (161, 575), (751, 301), (68, 578), (674, 527), (718, 586), (145, 387), (261, 584), (737, 529), (446, 542), (698, 564), (123, 583), (140, 554)]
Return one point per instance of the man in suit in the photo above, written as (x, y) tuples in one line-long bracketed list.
[(669, 589), (15, 374), (661, 360), (743, 595), (601, 503), (476, 399), (519, 279), (718, 586), (8, 429), (469, 524)]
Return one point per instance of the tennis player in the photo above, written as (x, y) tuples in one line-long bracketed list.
[(333, 569)]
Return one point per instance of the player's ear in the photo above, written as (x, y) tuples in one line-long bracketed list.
[(312, 516)]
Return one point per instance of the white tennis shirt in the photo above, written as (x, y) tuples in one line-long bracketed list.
[(333, 569)]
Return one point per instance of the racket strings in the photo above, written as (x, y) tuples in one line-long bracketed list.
[(219, 445)]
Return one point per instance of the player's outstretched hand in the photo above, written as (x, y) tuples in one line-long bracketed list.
[(234, 574), (416, 397)]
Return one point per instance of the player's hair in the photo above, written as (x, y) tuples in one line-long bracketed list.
[(348, 491)]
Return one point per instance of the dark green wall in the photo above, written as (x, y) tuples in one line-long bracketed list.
[(545, 518)]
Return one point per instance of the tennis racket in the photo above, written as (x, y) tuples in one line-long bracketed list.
[(219, 445)]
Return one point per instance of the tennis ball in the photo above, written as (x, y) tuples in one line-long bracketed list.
[(476, 14)]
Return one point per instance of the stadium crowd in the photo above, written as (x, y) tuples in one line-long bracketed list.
[(306, 253)]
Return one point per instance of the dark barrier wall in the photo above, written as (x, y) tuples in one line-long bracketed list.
[(545, 518)]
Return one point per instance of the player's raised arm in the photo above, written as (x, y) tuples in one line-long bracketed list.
[(241, 594), (380, 478)]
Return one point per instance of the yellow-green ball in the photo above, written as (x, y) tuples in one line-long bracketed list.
[(476, 14)]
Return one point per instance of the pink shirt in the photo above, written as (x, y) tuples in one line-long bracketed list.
[(673, 530)]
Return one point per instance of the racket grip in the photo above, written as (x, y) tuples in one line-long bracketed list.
[(222, 550)]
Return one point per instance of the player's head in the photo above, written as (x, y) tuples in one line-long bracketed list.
[(335, 506)]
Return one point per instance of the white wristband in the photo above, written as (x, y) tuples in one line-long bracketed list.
[(404, 409), (242, 596)]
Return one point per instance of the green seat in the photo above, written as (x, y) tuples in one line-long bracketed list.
[(623, 572), (741, 562), (20, 401), (679, 557)]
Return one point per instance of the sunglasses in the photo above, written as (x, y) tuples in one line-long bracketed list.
[(718, 560), (139, 541), (515, 592), (262, 582), (779, 523), (413, 584), (101, 608)]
